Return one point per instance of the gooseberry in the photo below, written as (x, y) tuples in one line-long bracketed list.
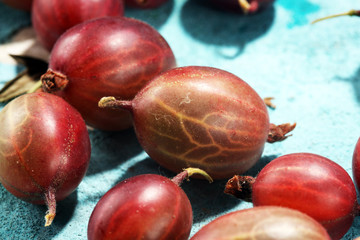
[(146, 4), (356, 164), (19, 4), (120, 55), (200, 117), (44, 149), (52, 18), (265, 223), (307, 182), (147, 206), (245, 6)]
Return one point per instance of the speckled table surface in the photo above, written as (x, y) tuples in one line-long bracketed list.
[(312, 71)]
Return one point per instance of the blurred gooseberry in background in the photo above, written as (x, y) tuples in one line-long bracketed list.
[(146, 4), (356, 164), (106, 56), (147, 206), (51, 18), (200, 117), (306, 182), (19, 4), (263, 223), (45, 149)]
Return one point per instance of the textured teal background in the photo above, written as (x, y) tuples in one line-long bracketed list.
[(312, 71)]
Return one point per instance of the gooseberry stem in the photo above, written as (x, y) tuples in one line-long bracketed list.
[(35, 87), (349, 13), (188, 172), (51, 204), (245, 5), (111, 102)]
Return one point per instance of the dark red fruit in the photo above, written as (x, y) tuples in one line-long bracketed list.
[(144, 207), (306, 182), (144, 3), (245, 6), (265, 223), (120, 55), (45, 149), (356, 164), (51, 18), (199, 117), (349, 13), (19, 4)]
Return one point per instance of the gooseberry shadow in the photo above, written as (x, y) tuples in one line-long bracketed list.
[(156, 17), (223, 28), (26, 219), (110, 149), (354, 79)]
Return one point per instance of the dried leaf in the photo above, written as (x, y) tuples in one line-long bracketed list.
[(26, 81)]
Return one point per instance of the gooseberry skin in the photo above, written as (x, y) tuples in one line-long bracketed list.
[(52, 18), (19, 4), (120, 56), (45, 148), (147, 206), (145, 4), (265, 223), (311, 184), (356, 164)]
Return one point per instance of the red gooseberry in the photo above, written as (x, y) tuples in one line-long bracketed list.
[(51, 18), (120, 55), (306, 182), (200, 117), (356, 164), (148, 207), (265, 223), (145, 3), (44, 149)]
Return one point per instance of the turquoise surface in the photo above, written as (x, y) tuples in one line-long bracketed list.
[(312, 71)]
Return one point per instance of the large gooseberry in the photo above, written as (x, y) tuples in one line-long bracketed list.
[(51, 18), (310, 183), (120, 55), (263, 223), (148, 207), (200, 117), (19, 4), (44, 149)]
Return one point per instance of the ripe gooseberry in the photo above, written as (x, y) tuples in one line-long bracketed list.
[(356, 164), (265, 223), (147, 206), (45, 149), (306, 182), (245, 6), (52, 18), (120, 55), (146, 4), (200, 117)]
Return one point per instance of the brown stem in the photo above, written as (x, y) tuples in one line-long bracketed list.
[(53, 81), (188, 172), (111, 102), (349, 13), (240, 187), (268, 102), (278, 133), (51, 204)]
